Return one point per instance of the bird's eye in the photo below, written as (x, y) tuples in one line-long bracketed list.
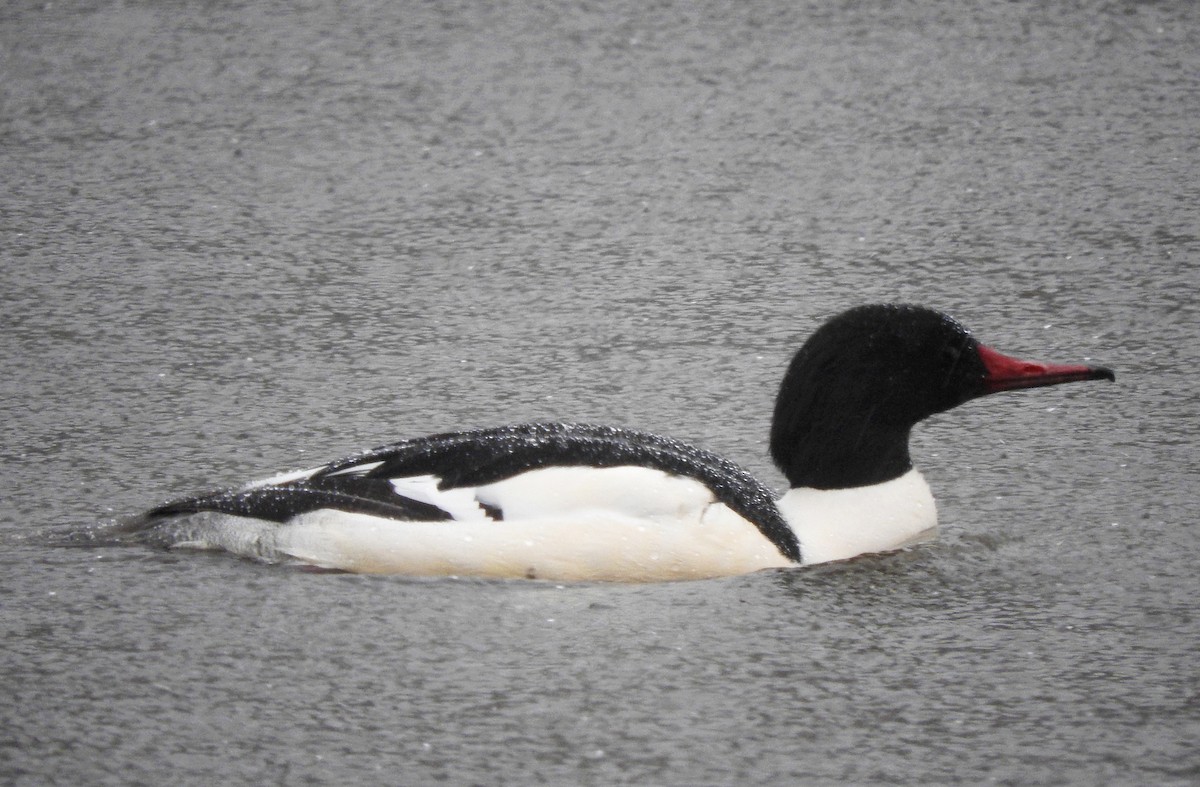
[(951, 354)]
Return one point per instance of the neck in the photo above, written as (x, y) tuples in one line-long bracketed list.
[(841, 455)]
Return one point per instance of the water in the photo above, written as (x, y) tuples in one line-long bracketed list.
[(238, 238)]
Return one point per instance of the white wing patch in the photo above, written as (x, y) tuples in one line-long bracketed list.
[(630, 490), (356, 469), (282, 478), (460, 503), (639, 492), (302, 475)]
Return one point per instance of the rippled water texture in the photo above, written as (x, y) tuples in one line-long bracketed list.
[(242, 237)]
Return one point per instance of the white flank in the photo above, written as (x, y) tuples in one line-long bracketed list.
[(589, 545), (626, 524)]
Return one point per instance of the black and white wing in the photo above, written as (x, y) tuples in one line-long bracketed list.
[(437, 477)]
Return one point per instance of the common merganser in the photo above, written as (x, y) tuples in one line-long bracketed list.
[(575, 502)]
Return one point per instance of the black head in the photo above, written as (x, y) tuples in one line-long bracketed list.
[(859, 384)]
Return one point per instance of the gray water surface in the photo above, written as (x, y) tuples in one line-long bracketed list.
[(243, 237)]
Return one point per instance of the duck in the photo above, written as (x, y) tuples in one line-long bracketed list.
[(579, 502)]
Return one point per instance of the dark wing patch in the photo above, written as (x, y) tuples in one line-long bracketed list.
[(281, 503)]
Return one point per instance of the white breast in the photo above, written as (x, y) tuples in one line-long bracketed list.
[(837, 524)]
